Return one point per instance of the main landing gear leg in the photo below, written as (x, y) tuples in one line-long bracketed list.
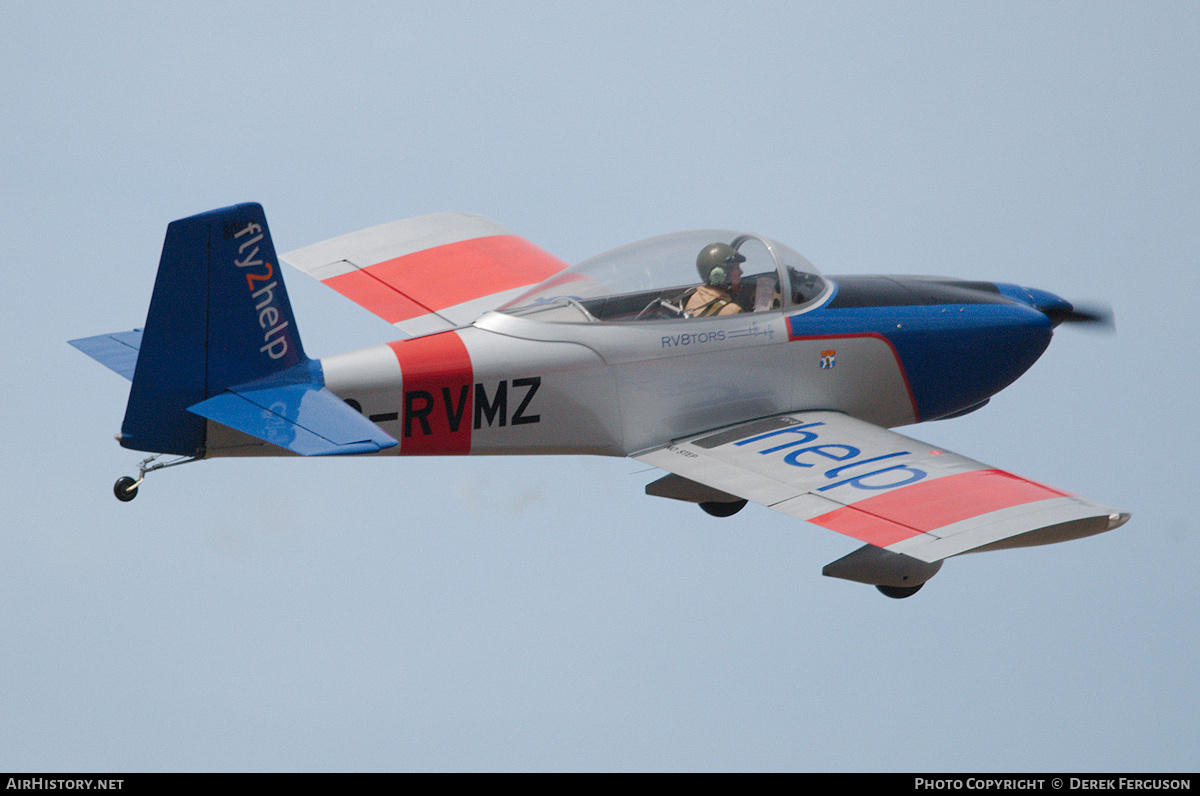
[(126, 488)]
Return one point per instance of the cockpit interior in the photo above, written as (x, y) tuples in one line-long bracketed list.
[(653, 280)]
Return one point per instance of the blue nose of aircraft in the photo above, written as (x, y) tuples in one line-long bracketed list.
[(1056, 308)]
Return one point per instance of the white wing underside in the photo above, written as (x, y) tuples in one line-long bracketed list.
[(874, 485)]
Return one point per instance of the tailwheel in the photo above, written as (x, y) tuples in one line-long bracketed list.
[(899, 592), (723, 509), (126, 488)]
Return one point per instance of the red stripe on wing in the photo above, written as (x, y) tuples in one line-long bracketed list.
[(928, 505), (434, 279), (380, 298), (865, 527)]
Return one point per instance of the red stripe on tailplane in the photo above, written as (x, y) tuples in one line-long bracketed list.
[(444, 276), (928, 505), (438, 395)]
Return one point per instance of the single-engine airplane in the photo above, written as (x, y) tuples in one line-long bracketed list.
[(721, 357)]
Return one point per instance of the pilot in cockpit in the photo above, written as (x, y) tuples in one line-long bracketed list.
[(720, 267)]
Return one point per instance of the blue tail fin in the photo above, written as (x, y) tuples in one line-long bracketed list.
[(221, 344), (220, 319)]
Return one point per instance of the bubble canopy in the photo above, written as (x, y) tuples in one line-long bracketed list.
[(652, 280)]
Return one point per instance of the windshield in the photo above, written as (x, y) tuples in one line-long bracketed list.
[(671, 277)]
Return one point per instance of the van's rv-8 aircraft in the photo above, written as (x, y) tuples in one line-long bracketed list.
[(779, 390)]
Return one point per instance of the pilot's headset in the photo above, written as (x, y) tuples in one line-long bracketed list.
[(716, 261)]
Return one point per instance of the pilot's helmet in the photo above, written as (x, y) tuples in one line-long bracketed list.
[(716, 261)]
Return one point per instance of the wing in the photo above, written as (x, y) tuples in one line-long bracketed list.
[(882, 488), (431, 273)]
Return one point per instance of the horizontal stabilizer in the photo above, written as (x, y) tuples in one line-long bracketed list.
[(117, 351), (303, 418)]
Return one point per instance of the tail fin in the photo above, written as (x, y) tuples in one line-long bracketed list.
[(221, 327), (219, 316)]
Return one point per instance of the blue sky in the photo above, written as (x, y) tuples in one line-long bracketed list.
[(462, 614)]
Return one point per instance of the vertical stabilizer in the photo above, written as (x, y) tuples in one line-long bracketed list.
[(219, 317)]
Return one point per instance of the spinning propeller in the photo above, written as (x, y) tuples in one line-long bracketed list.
[(1098, 316)]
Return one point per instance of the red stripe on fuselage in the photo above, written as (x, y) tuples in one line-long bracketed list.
[(439, 385), (434, 279), (928, 505)]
